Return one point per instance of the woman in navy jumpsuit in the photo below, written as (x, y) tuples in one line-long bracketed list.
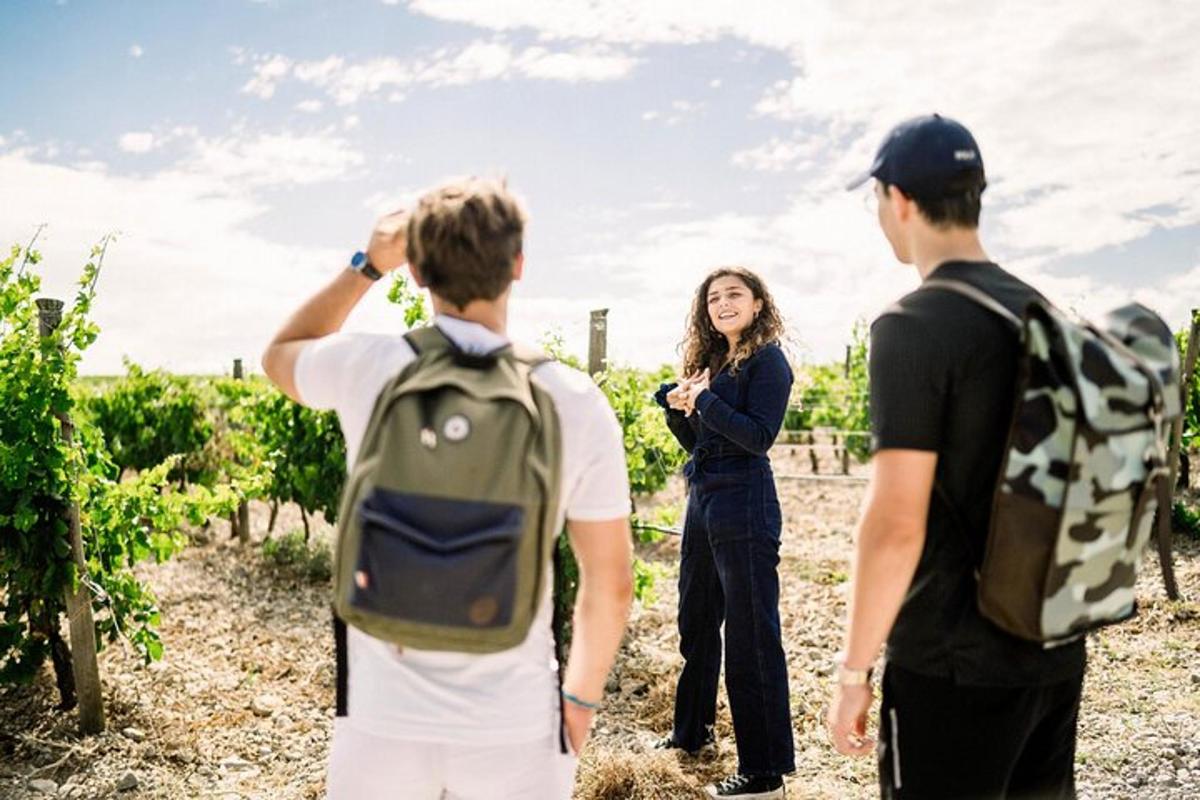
[(726, 413)]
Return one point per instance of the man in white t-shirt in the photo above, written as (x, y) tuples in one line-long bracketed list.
[(421, 724)]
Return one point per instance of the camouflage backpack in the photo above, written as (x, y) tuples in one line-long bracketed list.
[(1084, 472)]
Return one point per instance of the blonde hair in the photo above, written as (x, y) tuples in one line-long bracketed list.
[(464, 238), (704, 347)]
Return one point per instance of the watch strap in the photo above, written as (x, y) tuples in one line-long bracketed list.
[(852, 677), (361, 264)]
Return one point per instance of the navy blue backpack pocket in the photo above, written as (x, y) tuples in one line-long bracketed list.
[(438, 561)]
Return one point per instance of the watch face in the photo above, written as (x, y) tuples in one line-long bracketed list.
[(358, 259)]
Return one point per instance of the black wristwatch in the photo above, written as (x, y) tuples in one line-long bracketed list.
[(363, 266)]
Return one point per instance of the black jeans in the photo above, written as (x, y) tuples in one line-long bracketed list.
[(728, 572), (942, 740)]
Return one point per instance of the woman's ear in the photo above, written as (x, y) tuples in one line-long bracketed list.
[(758, 307)]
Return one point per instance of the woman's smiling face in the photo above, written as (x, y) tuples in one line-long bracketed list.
[(731, 305)]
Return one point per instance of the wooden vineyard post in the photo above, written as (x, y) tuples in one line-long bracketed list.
[(1189, 371), (243, 511), (598, 341), (84, 666)]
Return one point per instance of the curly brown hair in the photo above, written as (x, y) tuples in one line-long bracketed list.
[(704, 348)]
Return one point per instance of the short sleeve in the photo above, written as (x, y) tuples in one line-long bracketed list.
[(328, 369), (601, 491), (909, 380)]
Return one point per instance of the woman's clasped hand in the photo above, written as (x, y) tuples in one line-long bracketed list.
[(683, 397)]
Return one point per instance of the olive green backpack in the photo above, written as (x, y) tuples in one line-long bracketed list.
[(448, 518)]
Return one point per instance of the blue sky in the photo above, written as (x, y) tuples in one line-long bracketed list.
[(243, 148)]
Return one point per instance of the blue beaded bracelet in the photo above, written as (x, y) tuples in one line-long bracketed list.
[(573, 700)]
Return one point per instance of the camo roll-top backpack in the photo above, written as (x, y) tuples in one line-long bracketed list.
[(1084, 472), (448, 517)]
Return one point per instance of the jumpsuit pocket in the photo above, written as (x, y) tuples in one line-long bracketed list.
[(772, 516), (729, 511), (742, 507)]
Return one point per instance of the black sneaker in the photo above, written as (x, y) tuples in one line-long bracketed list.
[(708, 746), (748, 787)]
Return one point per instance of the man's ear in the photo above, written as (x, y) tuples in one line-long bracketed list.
[(905, 206), (416, 276), (518, 266)]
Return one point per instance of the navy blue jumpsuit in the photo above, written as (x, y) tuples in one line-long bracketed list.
[(728, 569)]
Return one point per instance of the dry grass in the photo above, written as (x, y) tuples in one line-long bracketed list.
[(237, 628), (616, 776)]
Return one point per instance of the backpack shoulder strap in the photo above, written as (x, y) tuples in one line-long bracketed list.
[(431, 338), (982, 298), (976, 295), (530, 356), (426, 339)]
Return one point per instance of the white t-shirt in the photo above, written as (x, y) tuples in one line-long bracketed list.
[(456, 697)]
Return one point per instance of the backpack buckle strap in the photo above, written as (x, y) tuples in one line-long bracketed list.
[(978, 296)]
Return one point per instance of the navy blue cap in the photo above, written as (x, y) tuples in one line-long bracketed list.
[(922, 155)]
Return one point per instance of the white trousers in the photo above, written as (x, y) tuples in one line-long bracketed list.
[(367, 767)]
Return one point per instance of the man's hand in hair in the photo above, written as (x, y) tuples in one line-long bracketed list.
[(389, 240)]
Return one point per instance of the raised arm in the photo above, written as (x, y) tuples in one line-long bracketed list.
[(756, 428), (325, 312)]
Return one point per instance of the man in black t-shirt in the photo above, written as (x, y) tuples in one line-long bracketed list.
[(968, 711)]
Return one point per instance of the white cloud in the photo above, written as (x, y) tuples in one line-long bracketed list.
[(136, 142), (136, 51), (585, 64), (171, 293), (309, 106), (779, 154), (175, 290), (267, 73), (252, 160), (823, 272), (381, 203), (1084, 118), (769, 23), (347, 82), (268, 159), (679, 111)]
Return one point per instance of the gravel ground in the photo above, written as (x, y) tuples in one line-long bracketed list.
[(241, 704)]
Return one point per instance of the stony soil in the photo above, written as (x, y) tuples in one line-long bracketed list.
[(241, 704)]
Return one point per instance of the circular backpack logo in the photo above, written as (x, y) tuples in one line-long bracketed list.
[(456, 428)]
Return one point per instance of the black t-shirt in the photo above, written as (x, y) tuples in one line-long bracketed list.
[(943, 379)]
